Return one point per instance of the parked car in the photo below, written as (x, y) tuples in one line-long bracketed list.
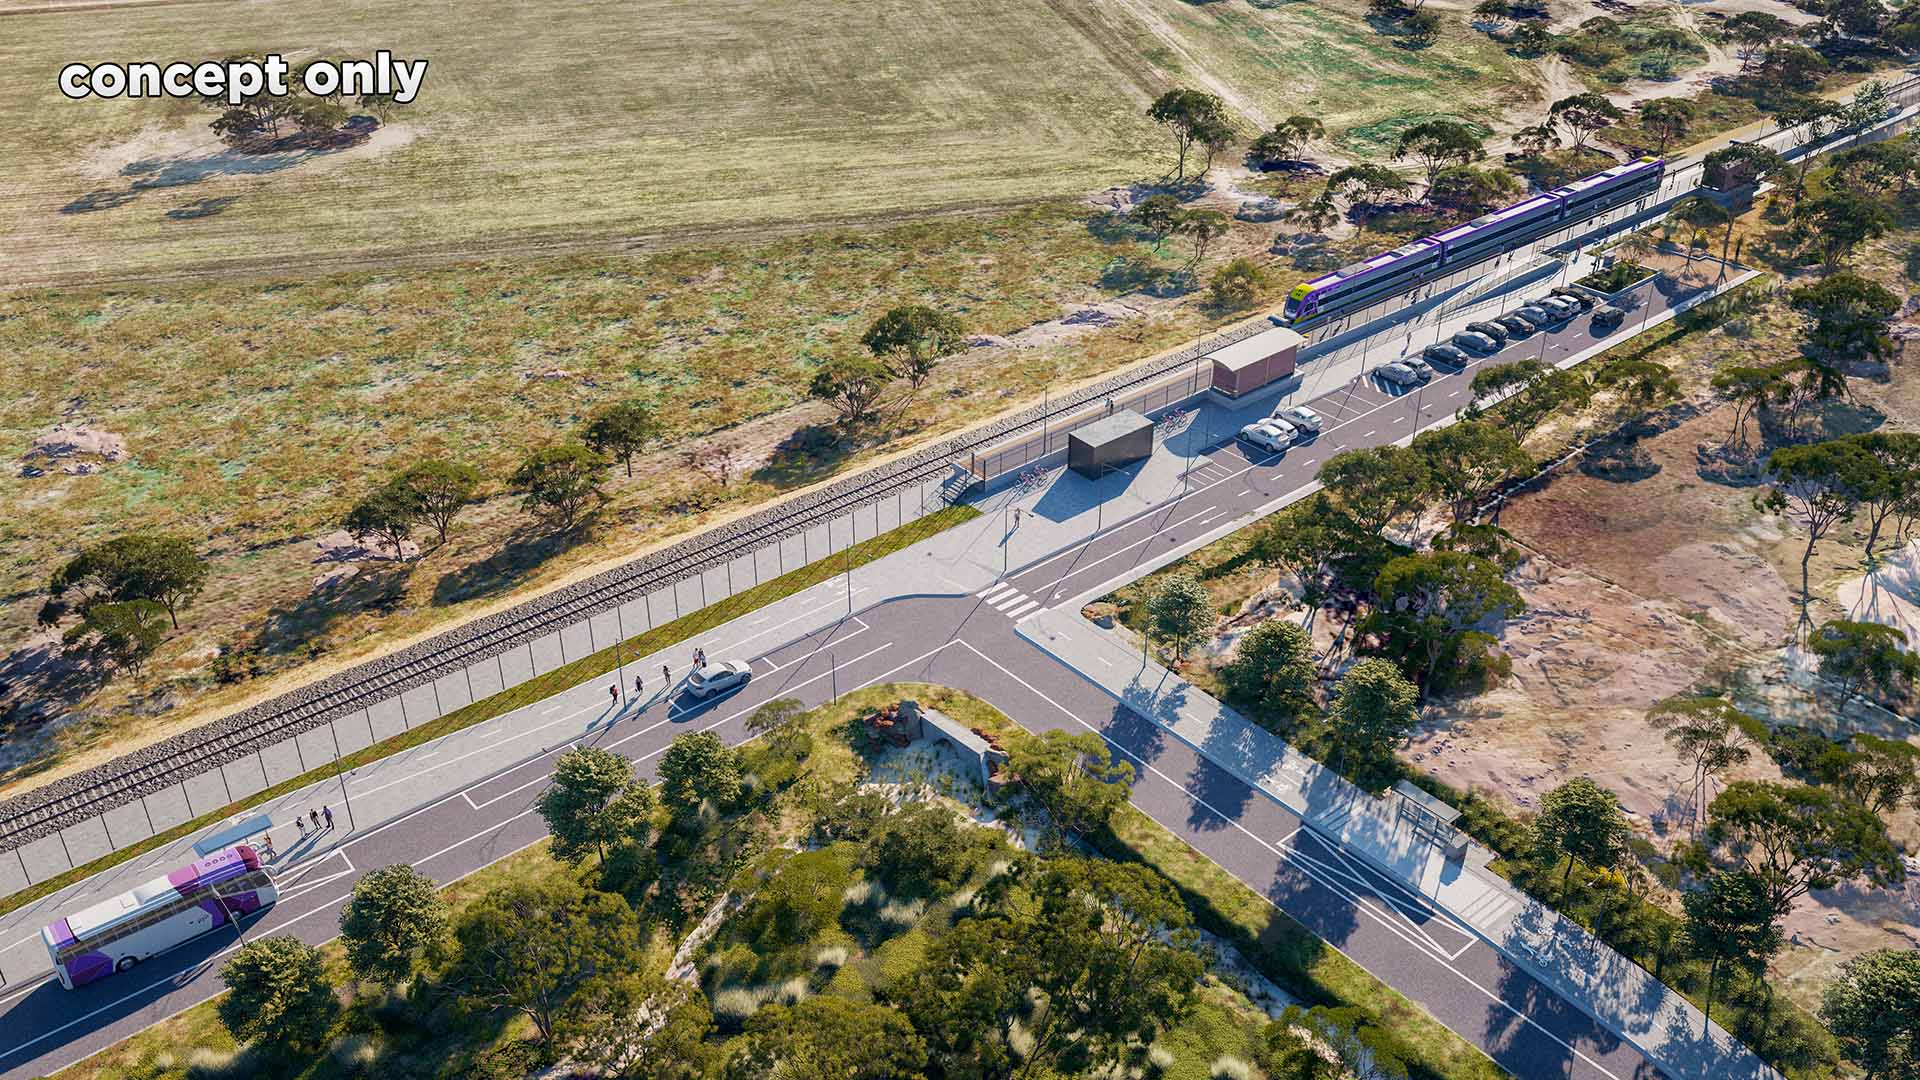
[(1538, 316), (1517, 326), (718, 678), (1420, 367), (1400, 374), (1302, 418), (1270, 434), (1608, 317), (1446, 354), (1490, 329), (1473, 342), (1560, 307), (1576, 298)]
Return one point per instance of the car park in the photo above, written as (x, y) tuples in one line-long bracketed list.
[(1538, 316), (1270, 434), (1473, 342), (1517, 326), (1608, 317), (718, 678), (1491, 329), (1303, 418), (1446, 354), (1400, 374)]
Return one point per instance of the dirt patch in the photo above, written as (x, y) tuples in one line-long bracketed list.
[(1078, 322), (73, 449), (1588, 659)]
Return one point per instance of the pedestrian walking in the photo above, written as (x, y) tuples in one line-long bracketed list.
[(1016, 517), (638, 687), (266, 848), (666, 676), (614, 693), (327, 813), (314, 816), (1109, 406), (301, 824)]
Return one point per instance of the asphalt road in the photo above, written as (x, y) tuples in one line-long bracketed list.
[(967, 643)]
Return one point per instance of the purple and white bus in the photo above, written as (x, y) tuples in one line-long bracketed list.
[(149, 919), (1353, 288)]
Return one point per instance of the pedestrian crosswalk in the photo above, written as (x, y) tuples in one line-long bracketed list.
[(1008, 600)]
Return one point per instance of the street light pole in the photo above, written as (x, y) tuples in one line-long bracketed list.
[(619, 659), (344, 797)]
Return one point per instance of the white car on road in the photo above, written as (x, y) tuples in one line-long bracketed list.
[(1270, 434), (1303, 418), (718, 678)]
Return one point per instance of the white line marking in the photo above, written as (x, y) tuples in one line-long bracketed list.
[(1022, 609), (987, 593)]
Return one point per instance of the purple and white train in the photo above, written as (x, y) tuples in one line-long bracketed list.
[(1355, 287), (149, 919)]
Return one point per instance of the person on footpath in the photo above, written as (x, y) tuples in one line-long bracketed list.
[(327, 813), (314, 816), (301, 824), (614, 693)]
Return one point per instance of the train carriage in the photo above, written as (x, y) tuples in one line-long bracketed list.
[(1353, 288)]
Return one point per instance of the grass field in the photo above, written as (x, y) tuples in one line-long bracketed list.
[(552, 120), (542, 126), (1325, 60)]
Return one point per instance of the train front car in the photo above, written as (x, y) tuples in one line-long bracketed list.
[(1363, 283)]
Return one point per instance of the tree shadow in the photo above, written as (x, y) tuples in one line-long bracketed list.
[(812, 452), (1619, 461), (203, 208), (377, 587), (504, 568), (1137, 274)]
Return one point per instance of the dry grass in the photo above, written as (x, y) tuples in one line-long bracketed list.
[(548, 121)]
